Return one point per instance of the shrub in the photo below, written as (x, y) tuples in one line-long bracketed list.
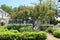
[(44, 27), (56, 33), (7, 36), (32, 36), (26, 29), (54, 21), (23, 36), (58, 24), (17, 26), (50, 29), (14, 31), (2, 29)]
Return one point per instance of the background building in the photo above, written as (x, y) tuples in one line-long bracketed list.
[(58, 10), (4, 16)]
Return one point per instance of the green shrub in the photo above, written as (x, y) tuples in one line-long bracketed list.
[(26, 29), (2, 29), (32, 36), (23, 36), (17, 26), (14, 31), (56, 33), (7, 36), (44, 27), (50, 29), (58, 24)]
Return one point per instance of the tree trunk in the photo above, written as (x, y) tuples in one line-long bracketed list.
[(33, 22)]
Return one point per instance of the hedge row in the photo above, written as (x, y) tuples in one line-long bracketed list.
[(44, 27), (27, 29), (17, 26), (22, 36)]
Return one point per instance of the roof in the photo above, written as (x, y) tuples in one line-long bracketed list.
[(3, 14), (2, 11)]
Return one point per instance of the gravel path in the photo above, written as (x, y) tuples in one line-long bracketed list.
[(51, 37)]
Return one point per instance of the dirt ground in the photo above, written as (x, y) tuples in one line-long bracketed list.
[(51, 37)]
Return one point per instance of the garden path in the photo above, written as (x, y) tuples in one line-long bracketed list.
[(51, 37)]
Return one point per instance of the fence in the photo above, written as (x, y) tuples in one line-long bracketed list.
[(19, 21)]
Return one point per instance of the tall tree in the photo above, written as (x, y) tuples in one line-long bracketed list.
[(40, 1), (6, 8), (42, 11)]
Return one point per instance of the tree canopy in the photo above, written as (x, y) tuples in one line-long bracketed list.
[(43, 12), (6, 8)]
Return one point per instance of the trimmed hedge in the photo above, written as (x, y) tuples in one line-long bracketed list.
[(17, 26), (3, 30), (14, 31), (56, 33), (44, 27), (50, 29), (22, 36), (27, 29)]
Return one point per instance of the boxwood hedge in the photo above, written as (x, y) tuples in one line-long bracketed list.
[(44, 27), (22, 36), (17, 26)]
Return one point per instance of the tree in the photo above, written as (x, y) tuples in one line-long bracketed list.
[(23, 12), (43, 13), (6, 8), (59, 0), (13, 15), (40, 1), (38, 12), (50, 15), (15, 9), (50, 3)]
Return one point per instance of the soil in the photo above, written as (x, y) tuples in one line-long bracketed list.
[(51, 37)]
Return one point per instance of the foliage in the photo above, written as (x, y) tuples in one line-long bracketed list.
[(6, 8), (22, 36), (38, 12), (14, 31), (6, 34), (56, 33), (23, 12), (27, 29), (3, 29), (33, 36), (54, 22), (50, 29), (58, 25), (50, 3), (44, 27), (17, 26), (43, 13)]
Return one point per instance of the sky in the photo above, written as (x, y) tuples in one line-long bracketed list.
[(16, 3)]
